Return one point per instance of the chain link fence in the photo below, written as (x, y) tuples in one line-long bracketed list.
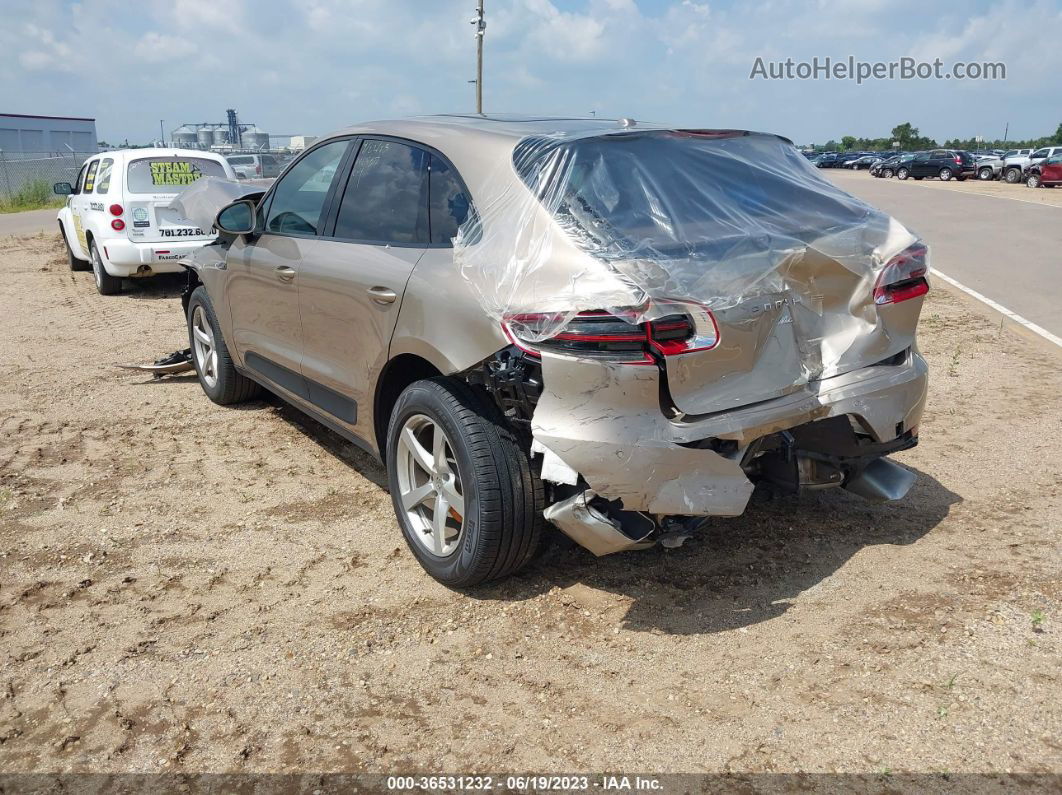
[(33, 173)]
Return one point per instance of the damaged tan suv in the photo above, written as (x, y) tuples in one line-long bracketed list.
[(616, 327)]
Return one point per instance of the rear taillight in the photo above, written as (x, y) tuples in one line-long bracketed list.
[(904, 276), (116, 209), (258, 169), (118, 224), (958, 160), (601, 334)]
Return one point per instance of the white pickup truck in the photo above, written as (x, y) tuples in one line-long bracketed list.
[(117, 219)]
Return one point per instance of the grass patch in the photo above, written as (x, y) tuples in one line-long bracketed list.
[(35, 195)]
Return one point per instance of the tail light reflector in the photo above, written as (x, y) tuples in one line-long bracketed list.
[(600, 334), (118, 224), (116, 209), (904, 276)]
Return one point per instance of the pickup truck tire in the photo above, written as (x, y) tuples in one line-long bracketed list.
[(218, 376), (105, 283), (984, 173), (479, 466), (902, 173), (76, 264), (1012, 175)]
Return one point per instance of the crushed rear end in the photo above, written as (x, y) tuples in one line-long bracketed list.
[(704, 312)]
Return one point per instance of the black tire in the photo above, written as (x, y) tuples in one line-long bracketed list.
[(1033, 181), (229, 385), (76, 264), (886, 173), (503, 498), (902, 173), (945, 174), (1012, 175), (985, 173), (105, 283)]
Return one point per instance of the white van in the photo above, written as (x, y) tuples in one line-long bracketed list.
[(117, 218)]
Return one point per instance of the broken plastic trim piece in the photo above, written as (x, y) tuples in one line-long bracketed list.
[(590, 528), (176, 362)]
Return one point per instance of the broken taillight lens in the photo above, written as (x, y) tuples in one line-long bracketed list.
[(598, 333), (903, 277)]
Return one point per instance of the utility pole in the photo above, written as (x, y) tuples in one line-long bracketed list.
[(481, 25), (162, 131)]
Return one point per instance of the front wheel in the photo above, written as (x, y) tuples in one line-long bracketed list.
[(886, 173), (1012, 175), (903, 173), (105, 283), (468, 503), (217, 374), (1033, 181)]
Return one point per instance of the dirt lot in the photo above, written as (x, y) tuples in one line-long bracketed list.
[(187, 587)]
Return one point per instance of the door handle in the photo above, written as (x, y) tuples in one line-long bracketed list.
[(285, 274), (382, 295)]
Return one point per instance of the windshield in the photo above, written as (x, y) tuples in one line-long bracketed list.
[(672, 192), (169, 174)]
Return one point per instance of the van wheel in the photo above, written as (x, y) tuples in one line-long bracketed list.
[(76, 264), (105, 283), (985, 173), (210, 355), (1012, 175), (903, 173), (468, 503)]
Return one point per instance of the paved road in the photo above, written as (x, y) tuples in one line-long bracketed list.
[(28, 223), (1007, 250)]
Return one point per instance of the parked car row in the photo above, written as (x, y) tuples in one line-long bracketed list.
[(1036, 168)]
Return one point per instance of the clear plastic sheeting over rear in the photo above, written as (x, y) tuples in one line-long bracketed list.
[(647, 222)]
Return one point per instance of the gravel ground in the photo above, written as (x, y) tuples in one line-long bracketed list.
[(185, 587)]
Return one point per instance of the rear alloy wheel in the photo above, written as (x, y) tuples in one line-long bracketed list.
[(984, 173), (945, 174), (468, 503), (105, 283), (1012, 175), (1033, 181), (903, 173)]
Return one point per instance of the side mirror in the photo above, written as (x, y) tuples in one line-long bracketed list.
[(237, 218), (62, 189)]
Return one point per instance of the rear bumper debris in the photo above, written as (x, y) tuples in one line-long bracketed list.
[(607, 424)]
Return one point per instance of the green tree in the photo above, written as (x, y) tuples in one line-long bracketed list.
[(848, 142), (904, 133), (1057, 137)]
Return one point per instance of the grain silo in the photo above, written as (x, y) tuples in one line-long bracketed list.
[(253, 138), (184, 137), (205, 136)]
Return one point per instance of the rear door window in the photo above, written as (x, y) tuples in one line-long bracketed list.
[(298, 201), (169, 174), (103, 178), (448, 202), (90, 176), (386, 197)]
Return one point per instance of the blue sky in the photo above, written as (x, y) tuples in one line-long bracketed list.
[(310, 66)]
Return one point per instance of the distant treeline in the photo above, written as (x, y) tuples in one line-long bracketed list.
[(910, 140)]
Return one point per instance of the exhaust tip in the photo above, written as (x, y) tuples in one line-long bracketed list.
[(882, 481)]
